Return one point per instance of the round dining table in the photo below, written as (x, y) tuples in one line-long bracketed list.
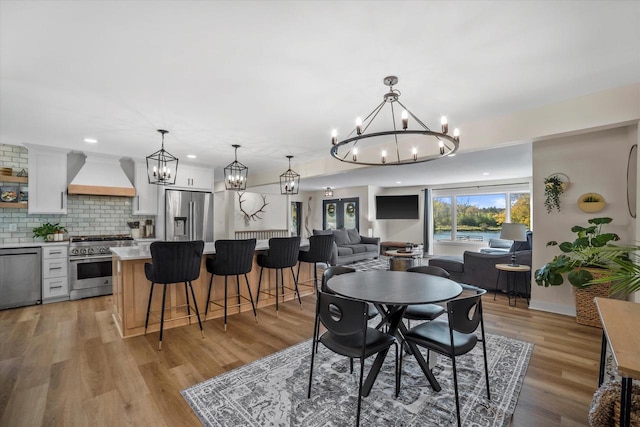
[(391, 292)]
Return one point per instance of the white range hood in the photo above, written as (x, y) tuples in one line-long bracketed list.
[(101, 176)]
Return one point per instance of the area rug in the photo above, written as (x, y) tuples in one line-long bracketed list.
[(273, 391), (381, 263)]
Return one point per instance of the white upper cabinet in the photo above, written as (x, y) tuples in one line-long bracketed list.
[(47, 181), (194, 177), (146, 200)]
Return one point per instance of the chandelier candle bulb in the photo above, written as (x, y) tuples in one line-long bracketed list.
[(359, 126), (441, 145), (405, 119), (334, 137), (445, 125), (414, 151), (355, 154), (456, 134), (384, 156)]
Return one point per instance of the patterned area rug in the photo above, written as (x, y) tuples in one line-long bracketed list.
[(382, 263), (273, 390)]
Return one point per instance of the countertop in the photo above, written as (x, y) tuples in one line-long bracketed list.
[(129, 253), (34, 244)]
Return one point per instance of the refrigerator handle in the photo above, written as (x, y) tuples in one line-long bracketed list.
[(191, 221)]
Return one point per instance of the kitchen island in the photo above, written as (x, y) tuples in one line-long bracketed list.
[(131, 289)]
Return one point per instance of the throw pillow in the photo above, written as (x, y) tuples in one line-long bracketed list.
[(322, 232), (354, 236), (341, 237)]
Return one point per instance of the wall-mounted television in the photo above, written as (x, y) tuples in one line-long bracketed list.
[(397, 207)]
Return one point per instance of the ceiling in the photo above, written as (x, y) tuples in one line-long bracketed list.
[(276, 77)]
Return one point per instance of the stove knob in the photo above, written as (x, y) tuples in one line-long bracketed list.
[(104, 250), (83, 251), (74, 251), (90, 251)]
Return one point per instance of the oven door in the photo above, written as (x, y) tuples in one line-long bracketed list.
[(89, 277)]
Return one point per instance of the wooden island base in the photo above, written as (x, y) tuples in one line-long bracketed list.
[(131, 295)]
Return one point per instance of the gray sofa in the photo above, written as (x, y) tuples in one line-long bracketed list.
[(349, 246)]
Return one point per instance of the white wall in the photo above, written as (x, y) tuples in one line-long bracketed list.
[(595, 162), (274, 216)]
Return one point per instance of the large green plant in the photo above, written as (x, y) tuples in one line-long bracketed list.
[(590, 249), (623, 269)]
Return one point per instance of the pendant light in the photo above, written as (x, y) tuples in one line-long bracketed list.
[(290, 180), (162, 166), (235, 174)]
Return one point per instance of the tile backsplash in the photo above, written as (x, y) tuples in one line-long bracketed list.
[(86, 215)]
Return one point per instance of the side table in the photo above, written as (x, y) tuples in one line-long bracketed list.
[(512, 271), (401, 261)]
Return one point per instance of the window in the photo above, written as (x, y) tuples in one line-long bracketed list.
[(477, 215), (341, 213)]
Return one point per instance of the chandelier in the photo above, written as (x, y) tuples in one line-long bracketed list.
[(398, 146), (289, 181), (328, 192), (235, 174), (159, 165)]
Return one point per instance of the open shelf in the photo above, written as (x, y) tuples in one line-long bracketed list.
[(19, 205), (11, 178)]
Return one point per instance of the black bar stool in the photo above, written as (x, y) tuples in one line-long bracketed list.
[(283, 253), (174, 262), (320, 248), (232, 258)]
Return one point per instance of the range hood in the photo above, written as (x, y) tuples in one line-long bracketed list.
[(101, 176)]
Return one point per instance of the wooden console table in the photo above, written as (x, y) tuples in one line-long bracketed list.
[(619, 318)]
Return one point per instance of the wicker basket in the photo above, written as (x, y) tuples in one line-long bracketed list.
[(586, 310), (605, 405)]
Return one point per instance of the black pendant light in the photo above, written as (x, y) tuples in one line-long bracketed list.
[(290, 180), (235, 174), (162, 166)]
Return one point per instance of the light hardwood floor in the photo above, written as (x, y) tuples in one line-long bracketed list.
[(65, 364)]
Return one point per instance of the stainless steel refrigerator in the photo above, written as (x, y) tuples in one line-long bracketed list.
[(188, 215)]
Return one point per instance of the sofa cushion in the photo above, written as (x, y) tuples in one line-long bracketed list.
[(322, 232), (370, 248), (341, 237), (354, 236), (357, 249), (500, 243), (344, 250)]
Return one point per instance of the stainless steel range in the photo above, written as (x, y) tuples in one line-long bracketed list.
[(90, 264)]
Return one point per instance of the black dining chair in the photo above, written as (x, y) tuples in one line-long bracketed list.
[(425, 311), (455, 337), (232, 258), (320, 249), (282, 253), (347, 334), (174, 262), (335, 270)]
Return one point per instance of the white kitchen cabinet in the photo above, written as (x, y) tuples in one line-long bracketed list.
[(47, 181), (146, 200), (194, 177), (55, 273)]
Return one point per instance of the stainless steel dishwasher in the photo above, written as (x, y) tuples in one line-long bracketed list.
[(20, 277)]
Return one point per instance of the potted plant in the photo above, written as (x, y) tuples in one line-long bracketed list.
[(591, 202), (623, 270), (48, 230), (585, 260), (554, 186)]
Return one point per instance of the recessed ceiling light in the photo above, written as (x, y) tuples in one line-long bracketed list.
[(485, 173), (191, 156), (398, 182), (90, 140)]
